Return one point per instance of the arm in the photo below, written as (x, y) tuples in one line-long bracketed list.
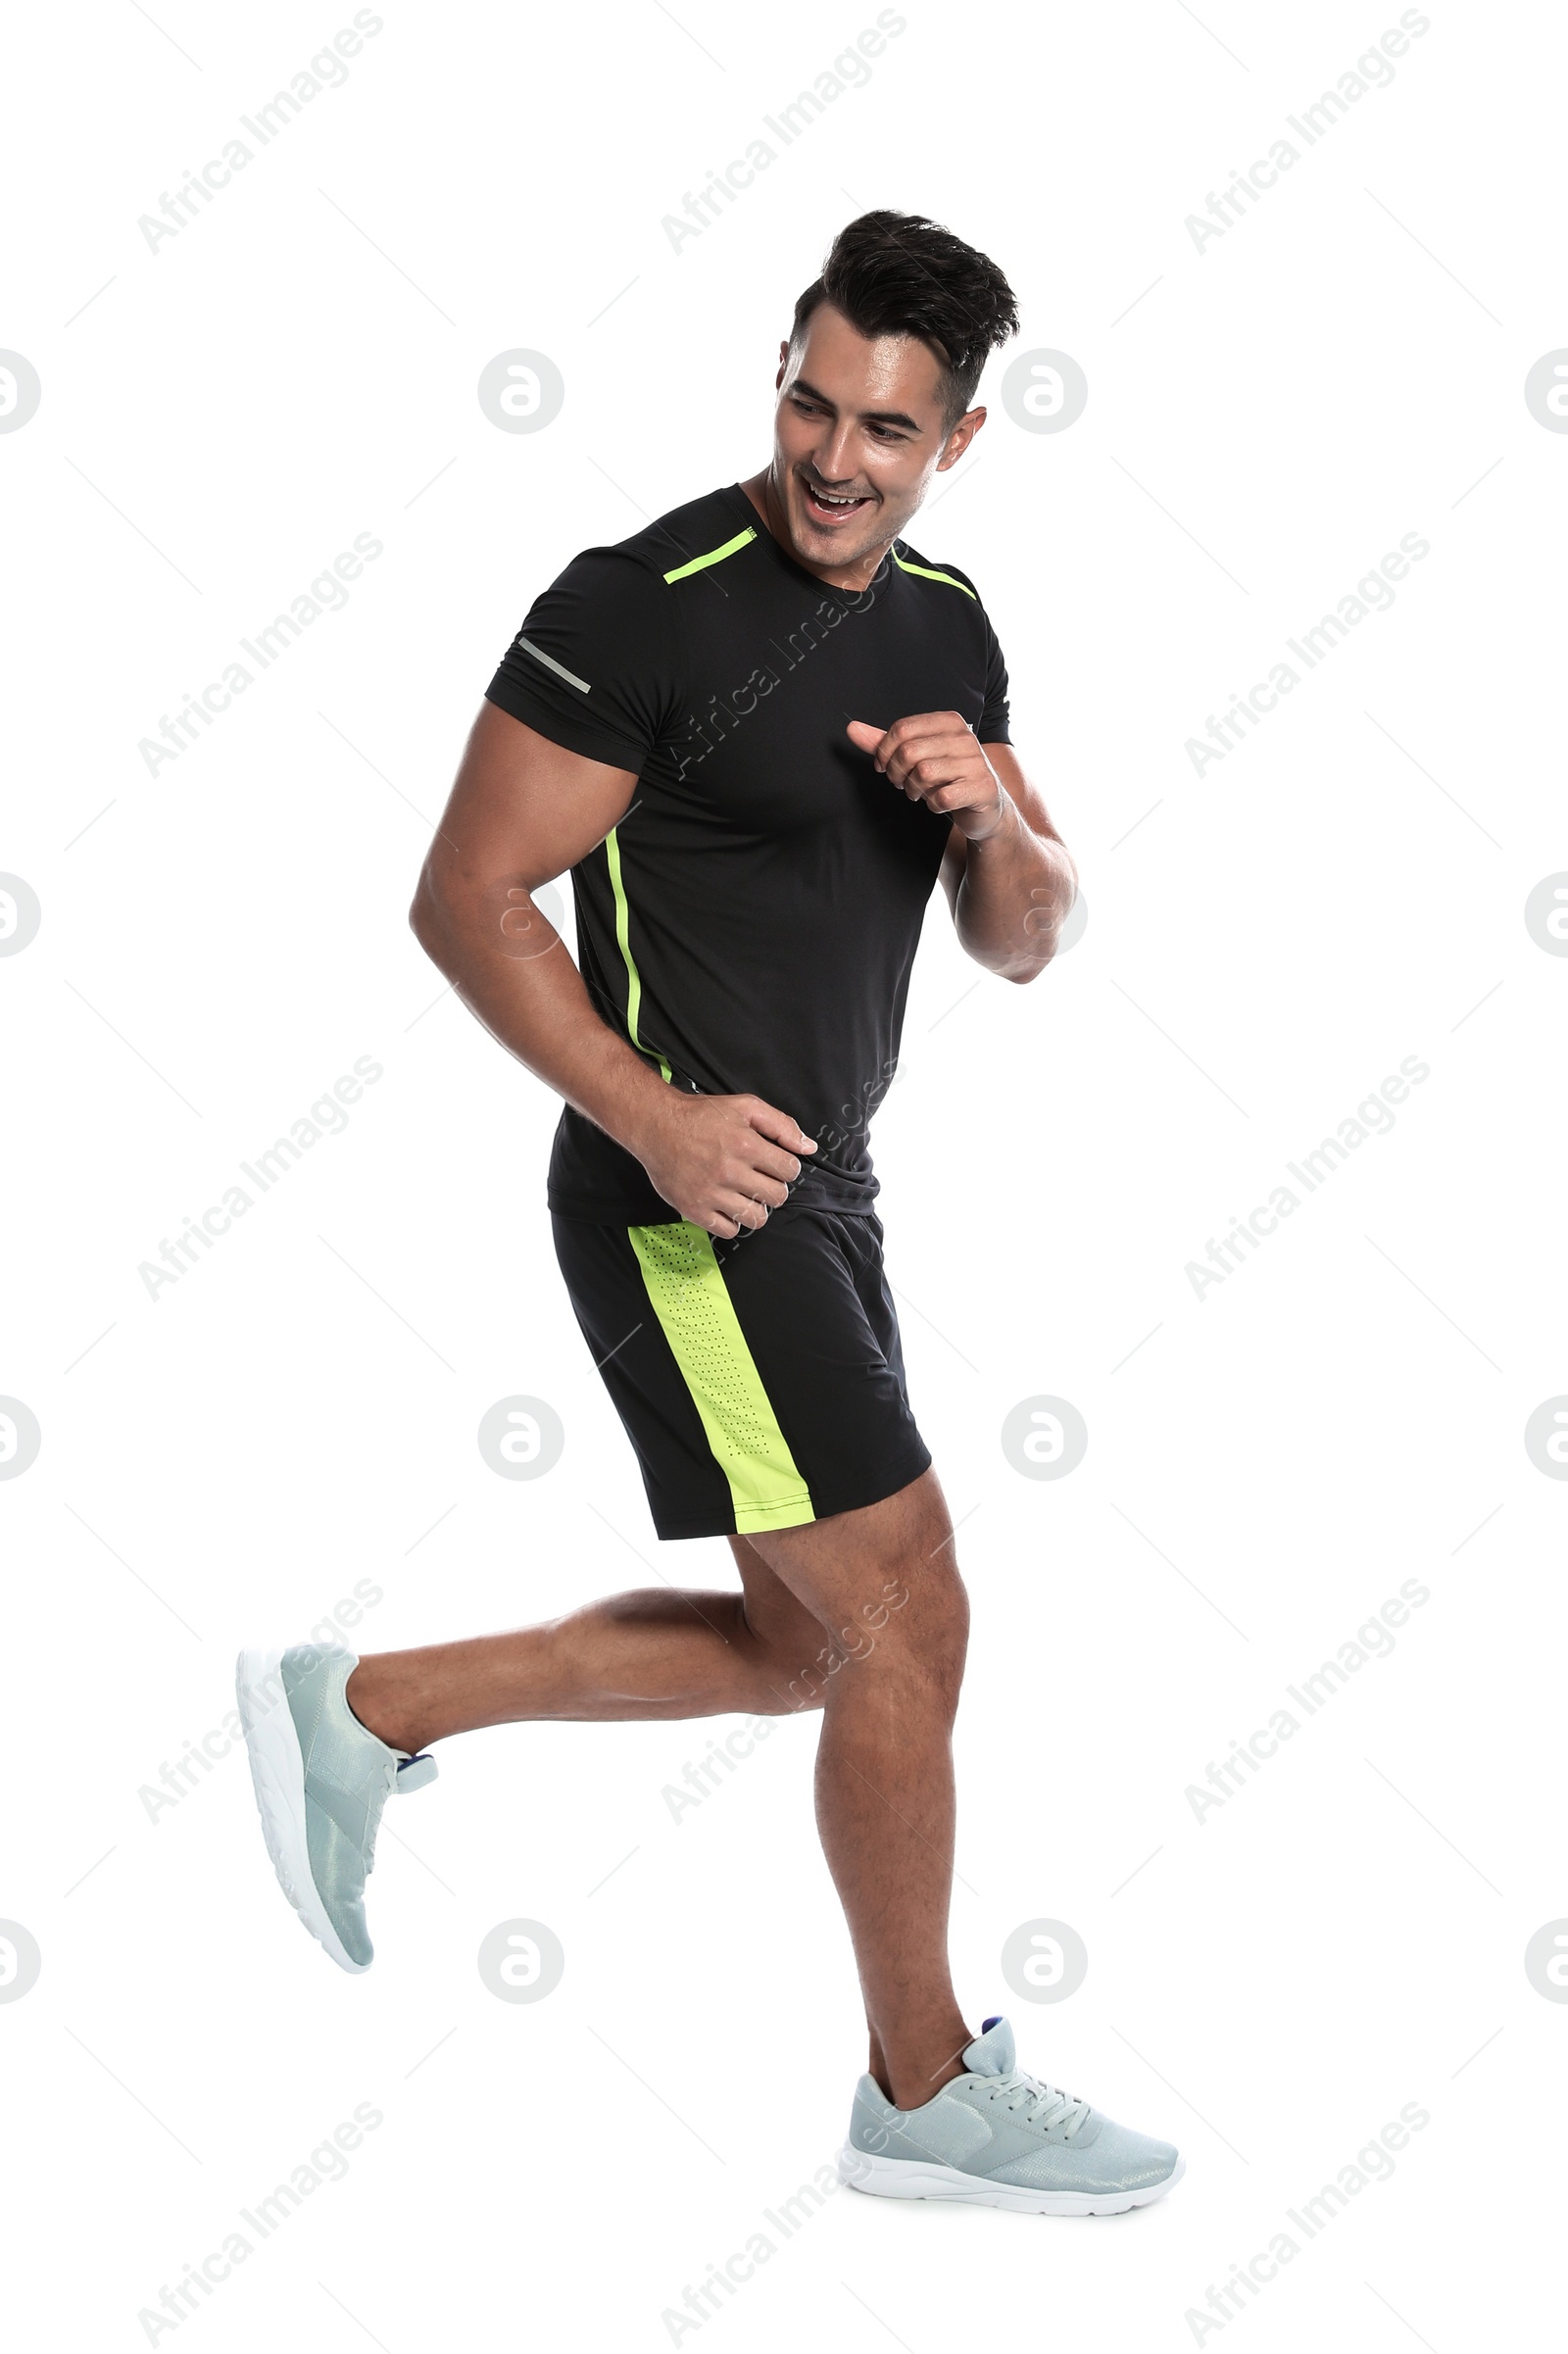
[(521, 812), (1006, 870)]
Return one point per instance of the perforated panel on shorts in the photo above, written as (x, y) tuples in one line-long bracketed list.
[(688, 1292)]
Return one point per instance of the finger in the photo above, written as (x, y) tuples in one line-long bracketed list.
[(741, 1211), (863, 735), (956, 746), (925, 723), (928, 762), (769, 1161), (751, 1185), (945, 801), (945, 725), (778, 1126)]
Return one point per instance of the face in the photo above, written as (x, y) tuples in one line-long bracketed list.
[(859, 431)]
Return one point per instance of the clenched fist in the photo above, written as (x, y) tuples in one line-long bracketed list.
[(723, 1161)]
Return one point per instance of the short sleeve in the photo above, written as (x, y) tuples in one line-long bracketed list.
[(993, 727), (597, 664)]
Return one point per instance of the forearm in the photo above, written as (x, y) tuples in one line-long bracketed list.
[(512, 968), (1014, 897)]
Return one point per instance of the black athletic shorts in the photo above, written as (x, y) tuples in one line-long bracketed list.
[(760, 1379)]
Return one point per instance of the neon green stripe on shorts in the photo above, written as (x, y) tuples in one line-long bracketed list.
[(691, 1300)]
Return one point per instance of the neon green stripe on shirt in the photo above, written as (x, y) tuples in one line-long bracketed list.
[(926, 573), (700, 564), (634, 979)]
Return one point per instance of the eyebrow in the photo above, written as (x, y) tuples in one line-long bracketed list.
[(873, 417)]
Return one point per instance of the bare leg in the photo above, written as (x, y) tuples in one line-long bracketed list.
[(657, 1652), (883, 1582), (863, 1615)]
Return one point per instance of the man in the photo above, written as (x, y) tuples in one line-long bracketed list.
[(757, 732)]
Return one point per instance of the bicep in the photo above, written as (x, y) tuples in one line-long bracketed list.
[(522, 809), (1026, 798)]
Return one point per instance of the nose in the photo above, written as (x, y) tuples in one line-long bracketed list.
[(834, 459)]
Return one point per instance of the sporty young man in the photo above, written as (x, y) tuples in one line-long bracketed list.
[(758, 733)]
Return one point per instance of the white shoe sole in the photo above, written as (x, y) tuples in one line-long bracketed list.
[(278, 1771), (922, 2178)]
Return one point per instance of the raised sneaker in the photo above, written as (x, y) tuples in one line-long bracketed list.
[(996, 2136), (322, 1780)]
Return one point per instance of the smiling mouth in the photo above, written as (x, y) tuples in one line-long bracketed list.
[(831, 508)]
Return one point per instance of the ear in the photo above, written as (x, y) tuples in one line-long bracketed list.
[(958, 440), (783, 363)]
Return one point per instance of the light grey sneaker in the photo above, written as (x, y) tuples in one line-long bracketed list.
[(998, 2138), (322, 1780)]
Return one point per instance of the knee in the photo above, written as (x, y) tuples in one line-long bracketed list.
[(917, 1637), (902, 1621)]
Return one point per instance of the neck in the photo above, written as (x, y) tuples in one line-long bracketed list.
[(763, 496)]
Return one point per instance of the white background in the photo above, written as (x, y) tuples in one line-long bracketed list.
[(1266, 1464)]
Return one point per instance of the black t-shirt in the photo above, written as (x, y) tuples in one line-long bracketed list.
[(750, 922)]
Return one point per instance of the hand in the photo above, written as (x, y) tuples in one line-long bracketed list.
[(723, 1161), (936, 757)]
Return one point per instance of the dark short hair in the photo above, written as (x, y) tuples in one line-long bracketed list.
[(898, 274)]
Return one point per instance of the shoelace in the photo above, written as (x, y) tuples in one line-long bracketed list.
[(1041, 2105)]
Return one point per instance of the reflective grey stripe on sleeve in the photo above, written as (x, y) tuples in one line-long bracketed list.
[(559, 669)]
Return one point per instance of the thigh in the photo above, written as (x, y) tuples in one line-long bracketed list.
[(775, 1614), (887, 1568)]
